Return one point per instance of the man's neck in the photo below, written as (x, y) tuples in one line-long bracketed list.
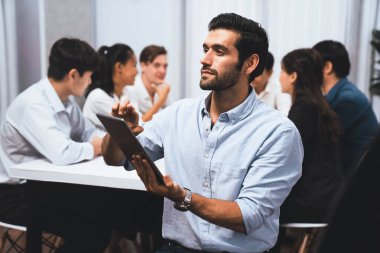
[(60, 88), (259, 89), (224, 100), (148, 86), (329, 82)]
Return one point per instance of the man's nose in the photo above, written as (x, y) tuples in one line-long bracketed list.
[(206, 59)]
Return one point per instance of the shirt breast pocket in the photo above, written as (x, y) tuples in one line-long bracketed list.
[(229, 181)]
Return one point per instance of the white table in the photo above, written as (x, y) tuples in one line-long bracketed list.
[(94, 172)]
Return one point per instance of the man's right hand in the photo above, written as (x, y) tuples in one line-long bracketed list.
[(129, 114), (162, 91)]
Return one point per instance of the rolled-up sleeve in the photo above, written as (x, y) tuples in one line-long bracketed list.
[(270, 178)]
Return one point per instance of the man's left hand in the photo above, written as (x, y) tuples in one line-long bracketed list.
[(170, 189)]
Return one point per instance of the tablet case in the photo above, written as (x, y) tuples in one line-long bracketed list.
[(127, 141)]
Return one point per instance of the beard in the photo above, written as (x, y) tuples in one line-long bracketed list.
[(226, 80)]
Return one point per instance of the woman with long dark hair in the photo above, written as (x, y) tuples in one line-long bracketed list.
[(311, 198), (117, 69)]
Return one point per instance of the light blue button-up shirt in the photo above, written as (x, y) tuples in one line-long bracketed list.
[(252, 155), (38, 125)]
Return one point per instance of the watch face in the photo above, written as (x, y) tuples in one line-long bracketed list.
[(187, 197), (181, 206), (184, 205)]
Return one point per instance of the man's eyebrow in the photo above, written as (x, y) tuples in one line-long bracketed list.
[(220, 47), (217, 47)]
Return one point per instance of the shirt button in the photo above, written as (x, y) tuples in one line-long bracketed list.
[(205, 184), (206, 155), (217, 128)]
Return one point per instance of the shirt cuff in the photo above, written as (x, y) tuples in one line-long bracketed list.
[(88, 151), (250, 219)]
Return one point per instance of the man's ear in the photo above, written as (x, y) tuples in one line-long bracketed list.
[(72, 73), (328, 68), (143, 66), (251, 63)]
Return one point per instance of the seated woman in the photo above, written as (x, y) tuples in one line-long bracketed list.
[(131, 211), (311, 198), (309, 201), (117, 69)]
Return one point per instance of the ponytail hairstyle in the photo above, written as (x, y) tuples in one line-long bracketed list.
[(108, 57), (308, 65)]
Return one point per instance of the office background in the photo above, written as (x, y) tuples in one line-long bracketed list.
[(28, 28)]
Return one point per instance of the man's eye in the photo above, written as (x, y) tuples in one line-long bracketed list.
[(205, 50), (219, 52)]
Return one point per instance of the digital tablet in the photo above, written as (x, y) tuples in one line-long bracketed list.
[(127, 141)]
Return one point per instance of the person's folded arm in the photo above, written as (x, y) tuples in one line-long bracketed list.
[(51, 140), (111, 152)]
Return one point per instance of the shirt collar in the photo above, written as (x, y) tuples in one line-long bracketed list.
[(235, 114), (52, 96), (335, 90)]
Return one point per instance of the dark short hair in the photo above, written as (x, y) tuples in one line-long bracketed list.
[(269, 61), (71, 53), (108, 57), (336, 53), (253, 38), (149, 53)]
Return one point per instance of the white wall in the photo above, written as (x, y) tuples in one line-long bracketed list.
[(68, 18), (28, 43)]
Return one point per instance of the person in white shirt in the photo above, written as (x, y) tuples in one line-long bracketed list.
[(270, 95), (150, 90), (44, 121), (117, 69)]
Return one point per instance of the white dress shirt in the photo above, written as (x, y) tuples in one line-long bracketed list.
[(276, 99), (138, 93), (252, 155), (98, 101), (38, 124)]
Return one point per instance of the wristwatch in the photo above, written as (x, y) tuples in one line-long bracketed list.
[(184, 205)]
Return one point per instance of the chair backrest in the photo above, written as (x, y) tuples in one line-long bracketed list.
[(304, 225), (357, 213), (11, 226), (14, 243), (308, 236)]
